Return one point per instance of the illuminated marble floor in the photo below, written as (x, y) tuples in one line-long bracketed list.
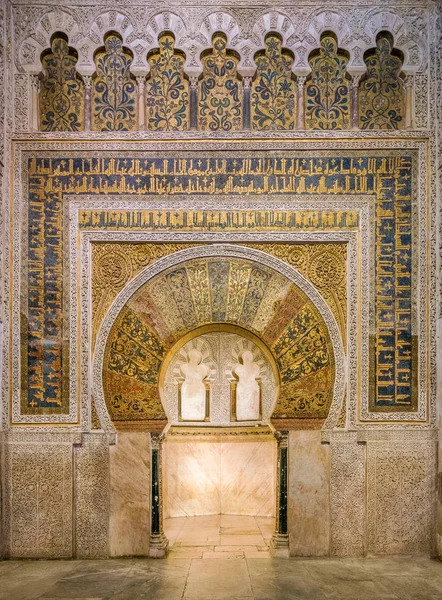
[(219, 536), (411, 578)]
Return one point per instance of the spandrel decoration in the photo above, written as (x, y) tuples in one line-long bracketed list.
[(61, 89), (273, 103), (114, 90), (381, 95), (220, 91), (167, 94), (327, 91)]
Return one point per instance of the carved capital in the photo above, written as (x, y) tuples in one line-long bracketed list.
[(355, 79), (408, 81), (193, 80), (35, 83), (282, 438), (155, 440), (141, 82), (301, 82), (87, 82), (247, 82)]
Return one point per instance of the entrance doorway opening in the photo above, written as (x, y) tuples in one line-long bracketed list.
[(219, 494)]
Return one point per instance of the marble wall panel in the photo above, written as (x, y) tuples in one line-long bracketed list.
[(191, 477), (209, 476), (248, 478), (348, 498), (92, 496), (401, 500), (2, 493), (309, 494), (38, 499), (129, 523)]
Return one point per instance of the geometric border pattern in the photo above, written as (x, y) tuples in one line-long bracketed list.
[(425, 222)]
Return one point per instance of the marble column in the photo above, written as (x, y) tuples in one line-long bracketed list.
[(300, 115), (141, 81), (408, 89), (159, 544), (246, 82), (35, 89), (280, 539), (354, 120), (193, 80), (87, 101)]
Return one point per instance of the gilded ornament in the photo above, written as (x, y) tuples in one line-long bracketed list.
[(113, 90), (220, 92), (61, 90), (293, 329), (327, 91), (381, 91), (273, 96), (167, 94)]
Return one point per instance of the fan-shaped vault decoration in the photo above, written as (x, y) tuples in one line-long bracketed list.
[(218, 290)]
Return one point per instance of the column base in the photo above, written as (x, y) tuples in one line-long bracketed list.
[(158, 546), (279, 545)]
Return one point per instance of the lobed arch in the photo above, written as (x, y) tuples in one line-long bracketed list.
[(221, 252), (300, 38)]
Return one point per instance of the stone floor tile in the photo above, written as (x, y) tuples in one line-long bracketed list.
[(235, 548), (256, 554), (224, 555), (32, 579), (406, 587), (357, 590), (218, 579), (242, 540), (287, 588)]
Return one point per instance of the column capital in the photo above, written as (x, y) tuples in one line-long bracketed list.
[(35, 83), (301, 81), (193, 81), (87, 79), (282, 437), (408, 80), (247, 82), (155, 440), (141, 82), (355, 79)]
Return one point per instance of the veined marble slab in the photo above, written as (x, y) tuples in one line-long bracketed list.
[(206, 477)]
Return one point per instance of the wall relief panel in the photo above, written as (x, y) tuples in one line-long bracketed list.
[(327, 91), (273, 98), (220, 91), (381, 91), (167, 94), (61, 89), (44, 389), (113, 90)]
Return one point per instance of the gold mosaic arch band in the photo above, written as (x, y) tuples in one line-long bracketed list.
[(218, 251)]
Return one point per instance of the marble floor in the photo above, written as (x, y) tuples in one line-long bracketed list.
[(219, 536), (411, 578)]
